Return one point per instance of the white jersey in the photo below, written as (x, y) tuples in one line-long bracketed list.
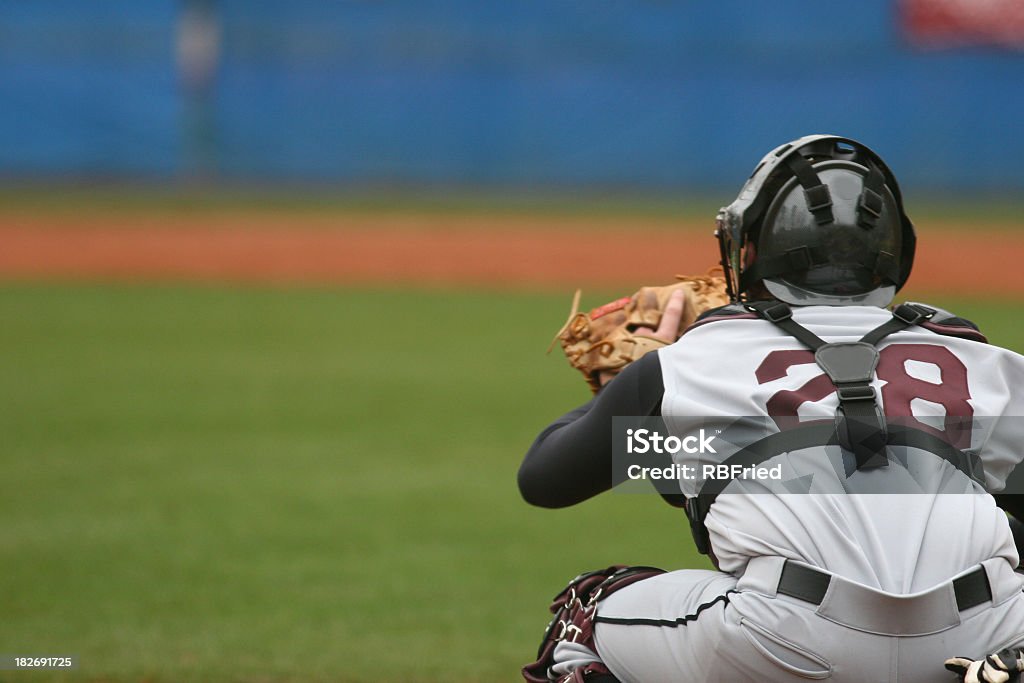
[(897, 543)]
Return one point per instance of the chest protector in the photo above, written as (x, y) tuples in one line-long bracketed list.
[(860, 427)]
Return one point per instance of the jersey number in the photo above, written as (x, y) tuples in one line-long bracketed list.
[(899, 390)]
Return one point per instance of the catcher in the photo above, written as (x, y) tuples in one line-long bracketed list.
[(849, 583)]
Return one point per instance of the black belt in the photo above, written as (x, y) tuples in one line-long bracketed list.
[(809, 585)]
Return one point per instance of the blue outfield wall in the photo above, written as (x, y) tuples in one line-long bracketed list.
[(659, 94)]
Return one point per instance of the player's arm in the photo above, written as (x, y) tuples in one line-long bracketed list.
[(571, 460)]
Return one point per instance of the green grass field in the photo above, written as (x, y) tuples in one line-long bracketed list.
[(228, 484)]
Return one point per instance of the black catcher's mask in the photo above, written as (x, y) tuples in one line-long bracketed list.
[(819, 221)]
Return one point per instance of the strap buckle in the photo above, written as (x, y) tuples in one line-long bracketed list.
[(856, 392), (869, 208), (799, 258), (773, 312), (912, 314), (818, 197)]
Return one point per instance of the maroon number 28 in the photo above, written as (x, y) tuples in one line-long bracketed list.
[(899, 390)]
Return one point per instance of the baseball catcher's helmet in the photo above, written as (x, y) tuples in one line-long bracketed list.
[(820, 221)]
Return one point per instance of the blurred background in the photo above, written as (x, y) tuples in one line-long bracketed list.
[(532, 94), (276, 281)]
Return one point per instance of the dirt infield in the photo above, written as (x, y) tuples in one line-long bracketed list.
[(508, 251)]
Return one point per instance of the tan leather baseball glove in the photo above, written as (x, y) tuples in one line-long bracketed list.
[(608, 338)]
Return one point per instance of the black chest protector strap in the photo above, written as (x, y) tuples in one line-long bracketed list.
[(813, 434), (860, 425)]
